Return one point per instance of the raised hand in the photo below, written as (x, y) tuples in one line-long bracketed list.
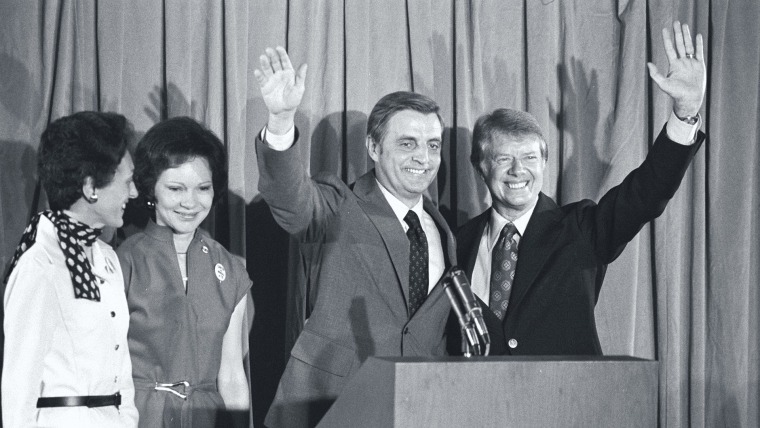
[(281, 88), (686, 80)]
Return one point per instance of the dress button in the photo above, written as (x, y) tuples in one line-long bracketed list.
[(116, 348), (512, 343), (113, 314)]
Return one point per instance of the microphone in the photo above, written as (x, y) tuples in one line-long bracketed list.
[(471, 306), (467, 310), (468, 330)]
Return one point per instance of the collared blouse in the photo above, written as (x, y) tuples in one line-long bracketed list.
[(56, 345)]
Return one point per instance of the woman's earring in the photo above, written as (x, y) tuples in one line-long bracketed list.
[(92, 199), (150, 204)]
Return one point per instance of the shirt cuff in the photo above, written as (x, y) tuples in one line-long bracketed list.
[(279, 143), (681, 132)]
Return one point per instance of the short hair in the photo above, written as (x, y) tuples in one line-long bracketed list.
[(507, 122), (83, 144), (387, 106), (171, 143)]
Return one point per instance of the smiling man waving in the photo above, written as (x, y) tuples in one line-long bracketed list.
[(539, 267), (375, 249)]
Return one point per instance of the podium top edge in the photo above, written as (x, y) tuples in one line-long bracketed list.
[(519, 358)]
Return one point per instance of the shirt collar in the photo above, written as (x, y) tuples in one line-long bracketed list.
[(399, 208), (101, 265), (165, 234), (162, 233), (497, 222)]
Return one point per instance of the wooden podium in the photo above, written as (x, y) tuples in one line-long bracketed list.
[(499, 392)]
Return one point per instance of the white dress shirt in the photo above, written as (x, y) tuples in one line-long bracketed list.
[(436, 264), (56, 345), (481, 272)]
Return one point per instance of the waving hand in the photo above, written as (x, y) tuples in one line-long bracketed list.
[(686, 80), (281, 88)]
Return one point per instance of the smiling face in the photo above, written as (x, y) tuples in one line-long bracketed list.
[(112, 199), (513, 170), (408, 157), (184, 196)]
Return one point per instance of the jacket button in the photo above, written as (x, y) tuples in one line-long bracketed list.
[(406, 330), (113, 314), (116, 348), (512, 343)]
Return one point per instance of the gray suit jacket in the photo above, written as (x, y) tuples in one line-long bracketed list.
[(358, 271)]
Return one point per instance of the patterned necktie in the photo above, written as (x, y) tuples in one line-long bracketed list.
[(418, 262), (503, 263)]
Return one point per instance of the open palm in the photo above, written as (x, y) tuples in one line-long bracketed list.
[(686, 80), (281, 87)]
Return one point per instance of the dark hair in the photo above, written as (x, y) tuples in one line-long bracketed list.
[(81, 145), (503, 121), (171, 143), (377, 124)]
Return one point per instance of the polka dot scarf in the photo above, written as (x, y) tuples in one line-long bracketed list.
[(72, 237)]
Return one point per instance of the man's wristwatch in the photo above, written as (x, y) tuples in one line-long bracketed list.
[(691, 120)]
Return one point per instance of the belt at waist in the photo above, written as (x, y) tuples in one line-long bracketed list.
[(80, 400), (181, 388)]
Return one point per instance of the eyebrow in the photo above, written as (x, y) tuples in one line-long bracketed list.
[(412, 137)]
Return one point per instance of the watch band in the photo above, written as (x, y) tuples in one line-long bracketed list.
[(691, 120)]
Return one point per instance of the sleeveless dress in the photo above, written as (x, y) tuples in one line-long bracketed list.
[(175, 335)]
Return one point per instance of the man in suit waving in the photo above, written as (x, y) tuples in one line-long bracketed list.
[(539, 267), (377, 248)]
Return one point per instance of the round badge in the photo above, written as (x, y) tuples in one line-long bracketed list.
[(220, 272), (205, 249)]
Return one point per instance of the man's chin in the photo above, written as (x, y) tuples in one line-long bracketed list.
[(516, 203), (519, 197), (421, 190), (418, 186)]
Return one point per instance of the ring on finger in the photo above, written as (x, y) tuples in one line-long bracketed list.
[(689, 55)]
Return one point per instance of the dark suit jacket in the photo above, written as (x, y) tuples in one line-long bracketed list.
[(564, 253), (359, 269)]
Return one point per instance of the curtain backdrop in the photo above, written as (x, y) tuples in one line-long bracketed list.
[(685, 290)]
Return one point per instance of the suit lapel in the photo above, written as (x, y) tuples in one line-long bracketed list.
[(540, 235), (380, 213), (373, 203)]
